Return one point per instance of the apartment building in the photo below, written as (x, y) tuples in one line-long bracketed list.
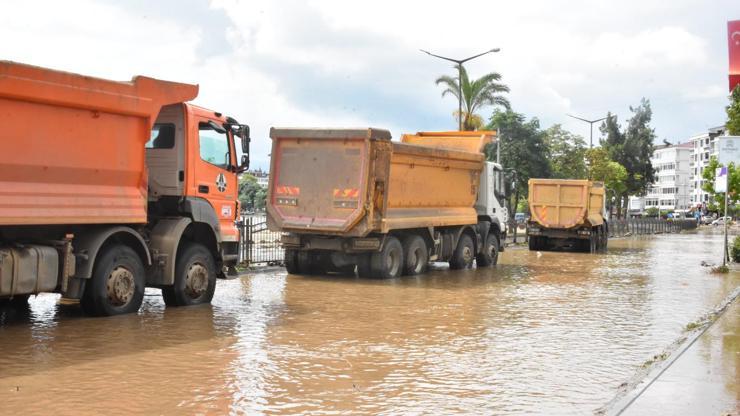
[(704, 147)]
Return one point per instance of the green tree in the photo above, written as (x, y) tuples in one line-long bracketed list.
[(733, 113), (602, 168), (632, 149), (476, 94), (733, 184), (567, 153), (251, 194), (523, 150)]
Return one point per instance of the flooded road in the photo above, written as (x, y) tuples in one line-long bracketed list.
[(549, 333)]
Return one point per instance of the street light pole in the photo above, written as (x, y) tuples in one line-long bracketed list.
[(459, 63), (591, 123)]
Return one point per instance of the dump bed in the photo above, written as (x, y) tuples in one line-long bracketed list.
[(566, 203), (357, 181), (73, 146)]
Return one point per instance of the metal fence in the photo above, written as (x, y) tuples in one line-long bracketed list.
[(258, 245), (643, 226)]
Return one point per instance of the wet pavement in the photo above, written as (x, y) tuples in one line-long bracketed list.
[(703, 380), (548, 333)]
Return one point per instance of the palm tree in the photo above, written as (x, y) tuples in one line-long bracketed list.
[(483, 91)]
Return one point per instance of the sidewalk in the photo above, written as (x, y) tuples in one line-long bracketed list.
[(705, 380)]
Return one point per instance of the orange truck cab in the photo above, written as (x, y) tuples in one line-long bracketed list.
[(109, 187)]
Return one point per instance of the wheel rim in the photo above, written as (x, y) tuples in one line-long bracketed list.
[(393, 262), (467, 254), (120, 286), (416, 258), (196, 281), (492, 251)]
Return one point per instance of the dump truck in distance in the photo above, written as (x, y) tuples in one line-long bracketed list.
[(109, 187), (347, 198), (567, 212)]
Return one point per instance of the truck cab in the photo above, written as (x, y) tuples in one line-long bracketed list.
[(491, 202)]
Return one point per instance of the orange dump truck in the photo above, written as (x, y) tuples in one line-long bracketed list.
[(348, 198), (567, 212), (108, 187)]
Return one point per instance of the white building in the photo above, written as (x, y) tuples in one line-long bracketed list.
[(704, 147), (671, 189), (263, 178)]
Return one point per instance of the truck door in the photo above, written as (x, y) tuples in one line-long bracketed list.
[(214, 177)]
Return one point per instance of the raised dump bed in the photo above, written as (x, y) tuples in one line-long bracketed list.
[(567, 211), (350, 194), (73, 146)]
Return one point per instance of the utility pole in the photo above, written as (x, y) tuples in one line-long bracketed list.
[(459, 63), (591, 122)]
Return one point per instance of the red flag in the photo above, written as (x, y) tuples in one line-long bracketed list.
[(733, 38)]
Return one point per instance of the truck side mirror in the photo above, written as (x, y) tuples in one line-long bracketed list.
[(244, 134)]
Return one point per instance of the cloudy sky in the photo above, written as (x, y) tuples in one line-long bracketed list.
[(345, 63)]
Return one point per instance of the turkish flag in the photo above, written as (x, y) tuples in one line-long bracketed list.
[(733, 38)]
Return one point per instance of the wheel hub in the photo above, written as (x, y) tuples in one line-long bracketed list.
[(120, 286), (196, 282), (467, 254)]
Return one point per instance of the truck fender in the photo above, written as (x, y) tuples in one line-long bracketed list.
[(164, 241), (88, 244), (202, 211)]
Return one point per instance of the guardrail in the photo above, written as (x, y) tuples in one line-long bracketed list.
[(644, 226)]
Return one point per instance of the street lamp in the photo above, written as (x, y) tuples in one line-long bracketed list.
[(591, 122), (459, 63)]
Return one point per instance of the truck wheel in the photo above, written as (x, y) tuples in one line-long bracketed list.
[(464, 254), (489, 255), (291, 261), (604, 238), (388, 262), (415, 254), (533, 243), (117, 283), (195, 277)]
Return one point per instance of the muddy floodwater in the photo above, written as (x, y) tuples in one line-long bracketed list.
[(548, 333)]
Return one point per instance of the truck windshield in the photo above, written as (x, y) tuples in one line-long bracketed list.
[(214, 146)]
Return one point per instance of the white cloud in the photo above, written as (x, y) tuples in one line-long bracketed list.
[(340, 63)]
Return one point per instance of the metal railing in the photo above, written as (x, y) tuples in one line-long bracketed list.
[(258, 245), (644, 226)]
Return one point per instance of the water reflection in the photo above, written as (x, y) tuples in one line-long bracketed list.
[(551, 333)]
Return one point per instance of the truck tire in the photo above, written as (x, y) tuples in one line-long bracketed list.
[(195, 277), (388, 262), (415, 255), (489, 255), (604, 237), (117, 283), (464, 254), (291, 261)]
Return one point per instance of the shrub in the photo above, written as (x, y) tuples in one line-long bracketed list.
[(735, 250)]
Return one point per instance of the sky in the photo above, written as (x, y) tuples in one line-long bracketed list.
[(357, 64)]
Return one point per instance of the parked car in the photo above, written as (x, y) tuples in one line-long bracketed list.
[(520, 218), (721, 220), (707, 219)]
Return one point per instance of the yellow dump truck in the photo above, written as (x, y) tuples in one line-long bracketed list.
[(347, 198), (567, 212)]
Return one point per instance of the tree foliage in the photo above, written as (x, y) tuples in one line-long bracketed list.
[(733, 113), (567, 153), (733, 184), (476, 94), (251, 194), (602, 168), (523, 149), (632, 148)]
